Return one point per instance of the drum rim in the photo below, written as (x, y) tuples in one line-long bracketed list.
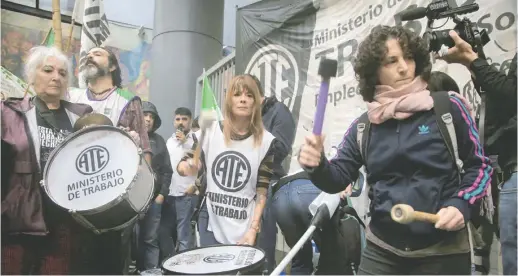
[(58, 149), (261, 261)]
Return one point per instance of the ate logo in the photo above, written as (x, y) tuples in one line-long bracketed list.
[(92, 160), (219, 258), (231, 171), (276, 68)]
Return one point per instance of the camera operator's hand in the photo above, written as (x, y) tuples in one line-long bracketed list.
[(462, 52)]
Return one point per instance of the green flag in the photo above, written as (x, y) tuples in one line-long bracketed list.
[(208, 100), (49, 40)]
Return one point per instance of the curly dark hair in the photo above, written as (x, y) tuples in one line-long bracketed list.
[(372, 51)]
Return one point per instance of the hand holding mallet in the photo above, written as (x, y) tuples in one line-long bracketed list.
[(405, 214)]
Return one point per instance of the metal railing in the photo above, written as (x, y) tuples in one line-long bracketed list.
[(219, 76)]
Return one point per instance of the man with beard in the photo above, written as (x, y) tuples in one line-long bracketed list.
[(106, 96), (148, 251), (278, 121), (109, 253), (178, 207)]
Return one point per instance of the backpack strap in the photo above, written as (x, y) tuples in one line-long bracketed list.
[(444, 119), (349, 210), (362, 135)]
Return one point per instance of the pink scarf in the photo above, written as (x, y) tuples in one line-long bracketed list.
[(401, 103)]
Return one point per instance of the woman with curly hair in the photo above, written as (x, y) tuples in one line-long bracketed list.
[(407, 161)]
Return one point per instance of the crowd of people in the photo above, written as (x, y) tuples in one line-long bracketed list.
[(411, 153)]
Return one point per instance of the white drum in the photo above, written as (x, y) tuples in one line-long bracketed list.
[(217, 260), (101, 177)]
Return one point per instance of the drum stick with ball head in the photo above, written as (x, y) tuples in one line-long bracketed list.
[(205, 120), (326, 70), (405, 214)]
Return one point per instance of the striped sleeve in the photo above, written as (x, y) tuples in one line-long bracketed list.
[(335, 175), (133, 118), (477, 166), (265, 173)]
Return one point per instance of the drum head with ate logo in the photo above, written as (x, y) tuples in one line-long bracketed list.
[(91, 168), (219, 259)]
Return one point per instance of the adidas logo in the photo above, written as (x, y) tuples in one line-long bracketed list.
[(423, 129)]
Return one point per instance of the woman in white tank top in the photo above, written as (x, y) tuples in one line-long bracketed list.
[(237, 157)]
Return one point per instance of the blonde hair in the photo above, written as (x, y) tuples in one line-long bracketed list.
[(243, 83)]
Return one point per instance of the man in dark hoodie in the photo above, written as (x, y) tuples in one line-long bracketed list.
[(148, 251), (277, 119)]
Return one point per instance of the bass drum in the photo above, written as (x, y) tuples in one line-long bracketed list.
[(216, 260), (101, 177)]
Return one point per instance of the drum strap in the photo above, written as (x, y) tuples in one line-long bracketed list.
[(195, 142), (197, 209), (43, 111)]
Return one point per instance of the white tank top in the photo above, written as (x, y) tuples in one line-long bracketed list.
[(232, 174), (112, 107)]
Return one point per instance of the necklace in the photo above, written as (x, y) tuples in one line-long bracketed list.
[(102, 92)]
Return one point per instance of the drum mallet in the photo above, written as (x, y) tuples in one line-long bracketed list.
[(205, 121), (405, 214), (326, 70)]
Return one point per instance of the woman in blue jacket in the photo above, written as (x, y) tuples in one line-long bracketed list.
[(407, 161)]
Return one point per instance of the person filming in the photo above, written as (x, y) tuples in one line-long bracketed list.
[(500, 135)]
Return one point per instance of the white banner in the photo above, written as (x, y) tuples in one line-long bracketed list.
[(12, 86), (95, 31)]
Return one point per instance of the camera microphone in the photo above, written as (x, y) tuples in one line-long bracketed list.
[(413, 14), (432, 11)]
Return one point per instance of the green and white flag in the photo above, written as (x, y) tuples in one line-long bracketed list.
[(49, 40), (208, 100)]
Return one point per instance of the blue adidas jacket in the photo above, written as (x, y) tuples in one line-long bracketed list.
[(408, 162)]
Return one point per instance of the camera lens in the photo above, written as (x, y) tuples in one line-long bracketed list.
[(439, 38)]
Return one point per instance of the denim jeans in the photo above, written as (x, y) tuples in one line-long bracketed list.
[(508, 225), (268, 236), (291, 207), (176, 214), (148, 252), (206, 237)]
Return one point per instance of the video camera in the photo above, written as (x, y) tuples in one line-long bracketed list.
[(466, 29)]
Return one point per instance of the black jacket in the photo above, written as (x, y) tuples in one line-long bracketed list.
[(408, 162), (500, 123), (161, 162), (278, 121)]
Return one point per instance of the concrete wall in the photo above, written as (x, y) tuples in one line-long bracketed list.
[(187, 37)]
